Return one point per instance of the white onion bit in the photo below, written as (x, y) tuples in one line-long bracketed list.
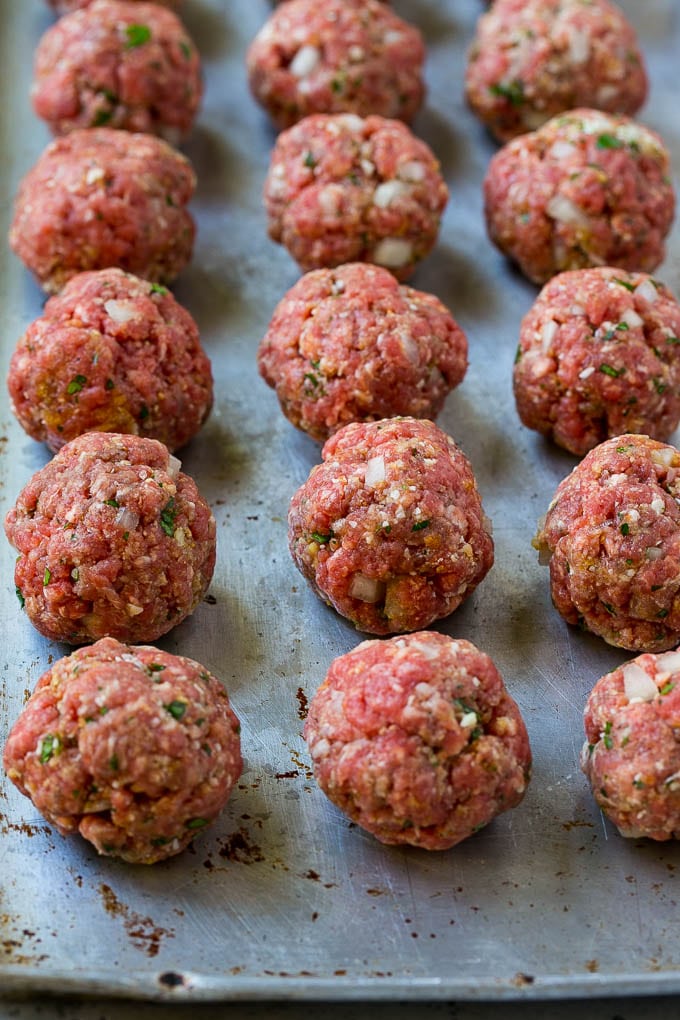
[(375, 471), (120, 311), (669, 663), (637, 684), (366, 589), (563, 209), (652, 552), (174, 466), (127, 519), (387, 192), (647, 291), (304, 61), (632, 319), (662, 457), (393, 252), (548, 331)]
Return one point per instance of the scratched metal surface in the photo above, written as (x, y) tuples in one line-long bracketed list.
[(283, 899)]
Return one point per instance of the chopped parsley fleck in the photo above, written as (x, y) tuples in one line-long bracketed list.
[(206, 749), (155, 667), (673, 339), (321, 539), (109, 384), (611, 333), (143, 412), (204, 676), (309, 159), (136, 35), (624, 283), (196, 823), (609, 607), (186, 49), (157, 288), (606, 736), (658, 385), (101, 117), (159, 841), (518, 353), (114, 764), (112, 502), (49, 745), (76, 384), (638, 784), (611, 371), (667, 688), (609, 141), (47, 576), (419, 525), (514, 92), (662, 614), (20, 596), (168, 514), (625, 528), (176, 709)]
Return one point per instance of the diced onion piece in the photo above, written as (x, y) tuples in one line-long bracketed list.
[(576, 309), (375, 471), (409, 347), (366, 589), (469, 719), (304, 61), (386, 193), (647, 291), (652, 552), (669, 662), (632, 319), (563, 209), (579, 45), (637, 684), (330, 200), (393, 252), (662, 457), (120, 311), (412, 171), (586, 372), (174, 466), (127, 519), (562, 149), (548, 331), (352, 121), (134, 610)]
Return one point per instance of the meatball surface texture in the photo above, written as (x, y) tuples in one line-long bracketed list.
[(352, 344), (612, 536), (533, 59), (135, 749), (118, 63), (111, 353), (345, 189), (113, 540), (631, 755), (99, 197), (390, 528), (417, 740), (354, 56), (586, 189), (599, 354)]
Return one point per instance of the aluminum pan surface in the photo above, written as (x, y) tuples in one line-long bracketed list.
[(283, 898)]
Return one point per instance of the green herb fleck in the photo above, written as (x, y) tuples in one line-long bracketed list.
[(109, 384), (155, 667), (76, 384), (75, 574), (20, 596), (514, 92), (419, 525), (625, 528), (168, 514), (143, 412), (47, 576), (658, 385), (662, 614), (638, 784), (157, 288), (624, 283), (608, 141), (673, 339), (114, 764), (667, 688), (137, 35), (49, 746), (309, 159), (185, 48), (609, 607), (606, 736), (112, 502), (518, 353), (160, 841), (196, 823), (322, 539), (101, 117), (611, 371), (176, 709)]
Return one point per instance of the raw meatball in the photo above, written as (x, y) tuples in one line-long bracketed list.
[(100, 197), (612, 536), (342, 55), (111, 353), (417, 740), (390, 529), (342, 189), (586, 189), (532, 59), (135, 749), (599, 354), (64, 6), (113, 540), (352, 344), (123, 64), (631, 755)]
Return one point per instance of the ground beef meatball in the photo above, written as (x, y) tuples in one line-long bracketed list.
[(612, 536), (343, 55), (135, 749), (100, 197), (64, 6), (352, 344), (124, 64), (532, 59), (631, 755), (113, 540), (586, 189), (390, 529), (599, 354), (111, 353), (417, 740), (342, 189)]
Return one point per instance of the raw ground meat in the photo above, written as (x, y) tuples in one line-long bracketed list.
[(612, 536), (99, 197), (353, 56), (417, 740), (118, 63), (352, 344), (345, 189), (111, 353), (135, 749), (599, 354), (113, 540), (632, 756), (586, 189), (533, 59), (64, 6), (390, 528)]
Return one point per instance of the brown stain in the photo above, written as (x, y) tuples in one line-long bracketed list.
[(302, 765), (240, 848), (143, 933), (592, 966), (303, 703), (293, 774), (577, 823), (24, 828), (376, 892), (521, 980)]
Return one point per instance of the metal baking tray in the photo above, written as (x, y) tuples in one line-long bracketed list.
[(283, 898)]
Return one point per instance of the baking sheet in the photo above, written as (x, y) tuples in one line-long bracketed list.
[(283, 898)]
